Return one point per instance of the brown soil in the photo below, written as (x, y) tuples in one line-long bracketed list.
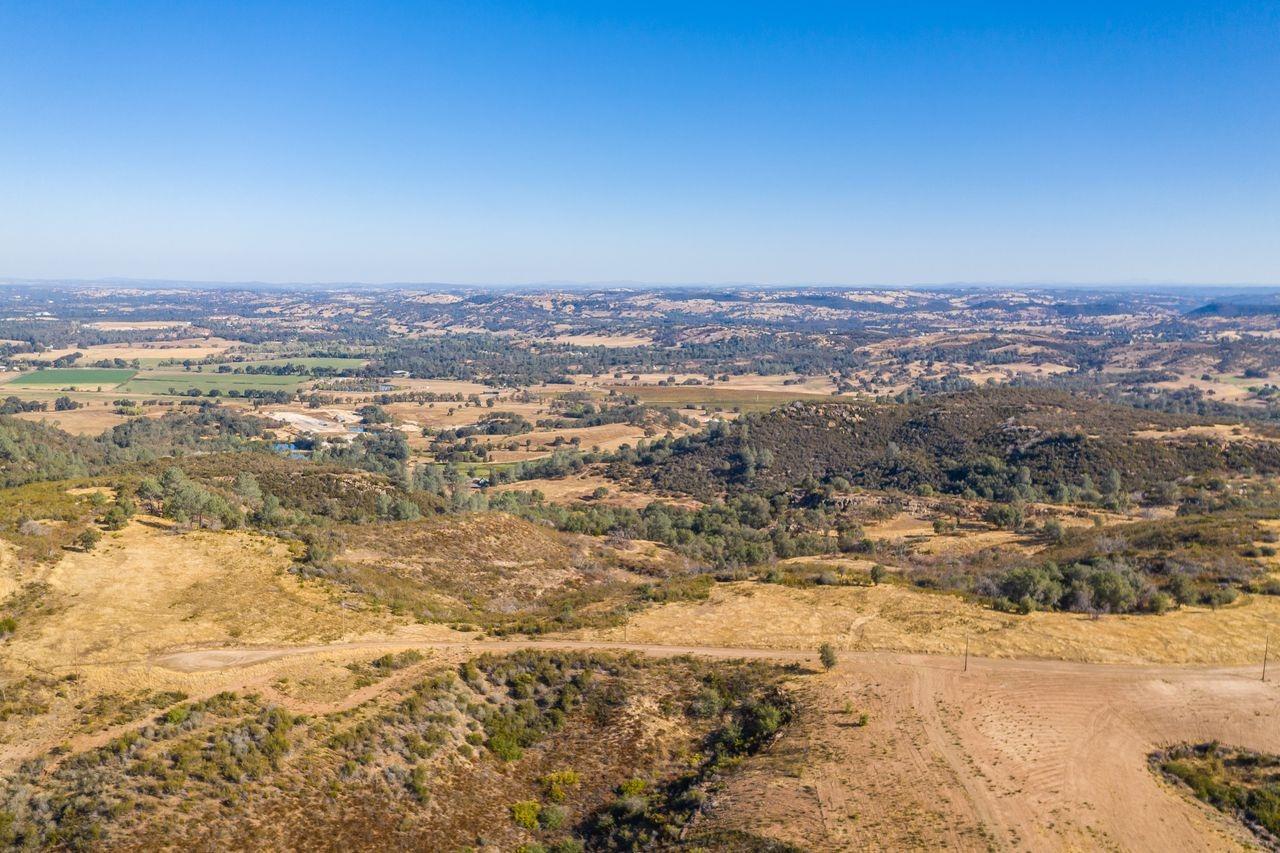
[(1010, 755)]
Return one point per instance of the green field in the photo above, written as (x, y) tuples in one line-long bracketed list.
[(79, 377), (159, 382)]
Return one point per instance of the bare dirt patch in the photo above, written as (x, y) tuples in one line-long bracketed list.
[(1009, 755)]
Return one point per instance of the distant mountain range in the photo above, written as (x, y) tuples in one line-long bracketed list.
[(1242, 305)]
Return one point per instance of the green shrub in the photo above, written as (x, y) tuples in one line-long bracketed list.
[(556, 784), (551, 817), (525, 813), (418, 783), (505, 747)]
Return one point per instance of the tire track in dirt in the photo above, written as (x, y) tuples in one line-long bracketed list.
[(201, 660)]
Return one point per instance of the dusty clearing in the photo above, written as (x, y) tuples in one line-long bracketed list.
[(322, 421), (1011, 755)]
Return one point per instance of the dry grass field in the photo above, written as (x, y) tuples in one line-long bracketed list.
[(579, 488), (193, 348), (148, 587), (91, 420), (891, 617)]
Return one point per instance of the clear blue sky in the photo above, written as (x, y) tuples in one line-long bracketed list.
[(889, 142)]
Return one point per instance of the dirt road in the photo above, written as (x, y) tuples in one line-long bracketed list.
[(1012, 755), (203, 660)]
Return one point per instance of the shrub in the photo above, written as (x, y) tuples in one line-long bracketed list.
[(505, 747), (418, 783), (827, 654), (551, 817), (557, 784), (708, 703), (632, 788), (88, 538), (115, 518), (525, 813)]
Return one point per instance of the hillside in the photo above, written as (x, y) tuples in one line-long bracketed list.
[(990, 441)]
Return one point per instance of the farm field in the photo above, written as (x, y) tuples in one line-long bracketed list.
[(159, 382), (81, 377), (148, 352), (91, 420)]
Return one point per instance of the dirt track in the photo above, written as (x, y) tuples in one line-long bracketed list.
[(203, 660), (1013, 755)]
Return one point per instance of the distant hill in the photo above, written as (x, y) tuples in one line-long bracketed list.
[(990, 440), (1265, 304)]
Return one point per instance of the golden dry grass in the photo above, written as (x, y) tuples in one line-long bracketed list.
[(193, 348), (91, 420), (603, 340), (9, 578), (146, 588), (790, 383), (127, 325), (573, 490), (892, 617), (1224, 433)]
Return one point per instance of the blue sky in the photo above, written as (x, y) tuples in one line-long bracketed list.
[(479, 142)]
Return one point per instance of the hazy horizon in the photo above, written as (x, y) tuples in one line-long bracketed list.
[(154, 283)]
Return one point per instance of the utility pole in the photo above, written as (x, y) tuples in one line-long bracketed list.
[(1266, 651), (966, 654)]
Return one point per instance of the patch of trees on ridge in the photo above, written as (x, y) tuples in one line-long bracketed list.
[(995, 443), (32, 452)]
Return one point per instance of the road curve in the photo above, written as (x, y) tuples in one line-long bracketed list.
[(220, 658), (203, 660)]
